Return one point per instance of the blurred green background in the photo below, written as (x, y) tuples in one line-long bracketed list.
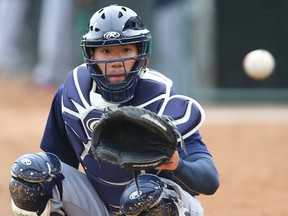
[(199, 44)]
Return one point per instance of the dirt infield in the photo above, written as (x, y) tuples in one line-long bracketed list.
[(249, 146)]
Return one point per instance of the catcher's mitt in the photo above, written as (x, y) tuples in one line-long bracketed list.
[(134, 138)]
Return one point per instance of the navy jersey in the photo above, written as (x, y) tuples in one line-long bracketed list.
[(77, 107)]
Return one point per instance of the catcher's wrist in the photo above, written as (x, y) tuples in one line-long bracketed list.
[(179, 167), (173, 163)]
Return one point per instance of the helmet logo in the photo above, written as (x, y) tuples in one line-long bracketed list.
[(135, 195), (26, 161), (111, 35)]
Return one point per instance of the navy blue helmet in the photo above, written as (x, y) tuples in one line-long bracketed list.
[(111, 26)]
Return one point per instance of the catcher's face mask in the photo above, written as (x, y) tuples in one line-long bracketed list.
[(113, 26), (116, 62)]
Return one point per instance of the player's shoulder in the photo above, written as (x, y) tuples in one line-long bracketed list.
[(155, 76), (187, 113), (156, 91), (77, 85), (79, 79), (151, 90)]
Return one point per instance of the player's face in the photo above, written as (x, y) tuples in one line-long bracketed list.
[(116, 68)]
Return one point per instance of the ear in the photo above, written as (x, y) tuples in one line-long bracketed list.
[(91, 53)]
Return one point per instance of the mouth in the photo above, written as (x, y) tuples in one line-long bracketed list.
[(117, 75), (113, 78)]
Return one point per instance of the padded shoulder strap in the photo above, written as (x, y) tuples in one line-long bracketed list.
[(187, 113)]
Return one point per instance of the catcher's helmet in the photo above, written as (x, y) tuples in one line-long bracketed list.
[(111, 26)]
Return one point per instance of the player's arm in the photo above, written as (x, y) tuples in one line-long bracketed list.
[(196, 172), (55, 139)]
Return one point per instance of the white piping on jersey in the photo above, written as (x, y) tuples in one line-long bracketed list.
[(187, 115), (81, 114), (81, 111), (75, 77), (86, 108), (152, 74), (160, 77), (86, 149), (153, 100)]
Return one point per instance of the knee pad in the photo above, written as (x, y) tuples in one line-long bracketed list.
[(133, 202), (151, 199), (33, 178), (37, 167)]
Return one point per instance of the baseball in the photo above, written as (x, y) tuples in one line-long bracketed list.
[(259, 64)]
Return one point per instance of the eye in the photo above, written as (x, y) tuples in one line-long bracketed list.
[(106, 51), (125, 50)]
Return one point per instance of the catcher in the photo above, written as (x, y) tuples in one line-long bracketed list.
[(136, 139)]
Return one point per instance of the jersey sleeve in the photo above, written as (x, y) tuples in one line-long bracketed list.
[(55, 139)]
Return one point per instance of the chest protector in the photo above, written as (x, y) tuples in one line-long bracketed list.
[(82, 107)]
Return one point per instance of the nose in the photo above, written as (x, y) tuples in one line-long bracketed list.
[(117, 64)]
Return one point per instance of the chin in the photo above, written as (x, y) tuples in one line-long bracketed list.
[(116, 79)]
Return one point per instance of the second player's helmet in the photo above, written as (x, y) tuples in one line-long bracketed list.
[(111, 26)]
